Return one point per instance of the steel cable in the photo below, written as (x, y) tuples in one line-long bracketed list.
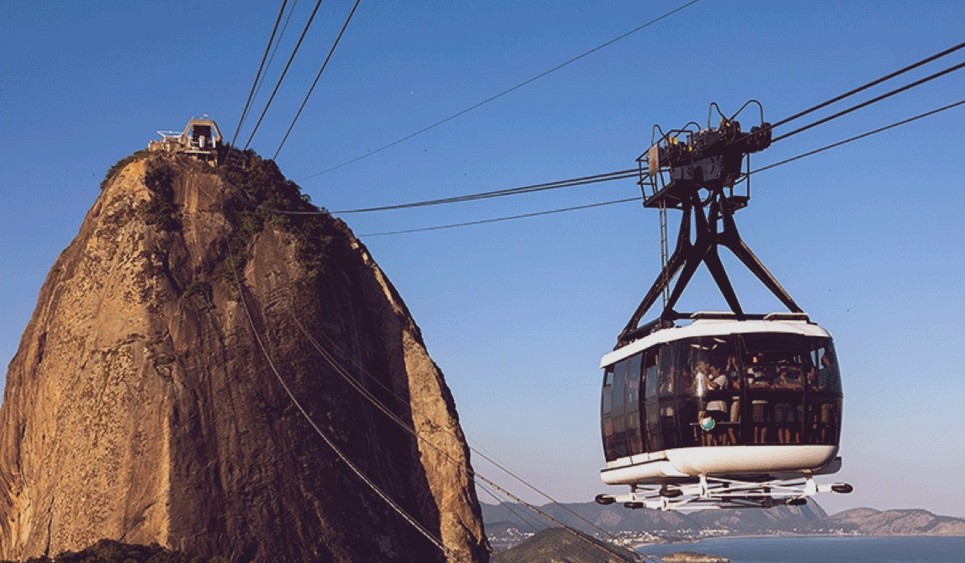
[(283, 73), (315, 82), (261, 66), (504, 92)]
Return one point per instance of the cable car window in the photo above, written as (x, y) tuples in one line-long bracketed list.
[(632, 407), (651, 410), (607, 396), (608, 439), (687, 406), (619, 405), (633, 384), (684, 384), (776, 366), (653, 376), (619, 386), (714, 367), (775, 361), (824, 394), (666, 371), (667, 405), (825, 378)]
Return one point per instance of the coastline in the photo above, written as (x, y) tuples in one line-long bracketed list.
[(821, 548), (689, 541)]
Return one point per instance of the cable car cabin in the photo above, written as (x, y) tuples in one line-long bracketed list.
[(722, 398), (734, 409)]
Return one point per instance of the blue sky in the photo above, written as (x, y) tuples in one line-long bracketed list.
[(868, 238)]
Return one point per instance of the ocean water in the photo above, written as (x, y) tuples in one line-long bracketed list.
[(823, 549)]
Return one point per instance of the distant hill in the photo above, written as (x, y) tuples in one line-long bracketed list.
[(868, 521), (561, 546), (509, 524), (512, 518)]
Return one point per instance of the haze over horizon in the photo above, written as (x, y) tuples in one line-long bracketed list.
[(867, 237)]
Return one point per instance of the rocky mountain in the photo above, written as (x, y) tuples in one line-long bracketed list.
[(208, 374)]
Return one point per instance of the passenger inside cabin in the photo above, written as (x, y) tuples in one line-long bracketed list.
[(717, 408), (785, 413), (760, 415), (735, 403)]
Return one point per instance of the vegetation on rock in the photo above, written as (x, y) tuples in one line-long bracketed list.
[(160, 210), (264, 196)]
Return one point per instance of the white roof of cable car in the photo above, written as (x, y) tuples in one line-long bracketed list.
[(713, 327)]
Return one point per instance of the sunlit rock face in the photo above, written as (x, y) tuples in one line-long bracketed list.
[(147, 400)]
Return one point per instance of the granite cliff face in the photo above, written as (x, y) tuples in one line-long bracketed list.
[(143, 406)]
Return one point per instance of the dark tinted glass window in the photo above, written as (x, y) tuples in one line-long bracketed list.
[(775, 368), (619, 386), (824, 376), (634, 430), (651, 374), (757, 388), (633, 383), (775, 361), (606, 405), (666, 371)]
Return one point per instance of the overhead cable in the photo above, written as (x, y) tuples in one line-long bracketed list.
[(356, 384), (284, 72), (317, 76), (261, 66), (408, 427), (556, 184), (504, 92), (625, 200), (874, 100), (856, 137), (622, 174), (341, 455), (436, 541), (501, 219), (274, 50), (864, 87)]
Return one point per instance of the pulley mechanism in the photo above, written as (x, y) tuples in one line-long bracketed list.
[(699, 172)]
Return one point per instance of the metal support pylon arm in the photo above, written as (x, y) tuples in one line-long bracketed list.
[(730, 237), (663, 280)]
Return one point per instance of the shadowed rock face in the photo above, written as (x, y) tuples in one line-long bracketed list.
[(140, 406)]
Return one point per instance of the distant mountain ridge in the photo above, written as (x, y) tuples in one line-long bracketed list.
[(868, 521), (508, 524)]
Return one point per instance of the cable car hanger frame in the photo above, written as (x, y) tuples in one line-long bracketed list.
[(673, 174)]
